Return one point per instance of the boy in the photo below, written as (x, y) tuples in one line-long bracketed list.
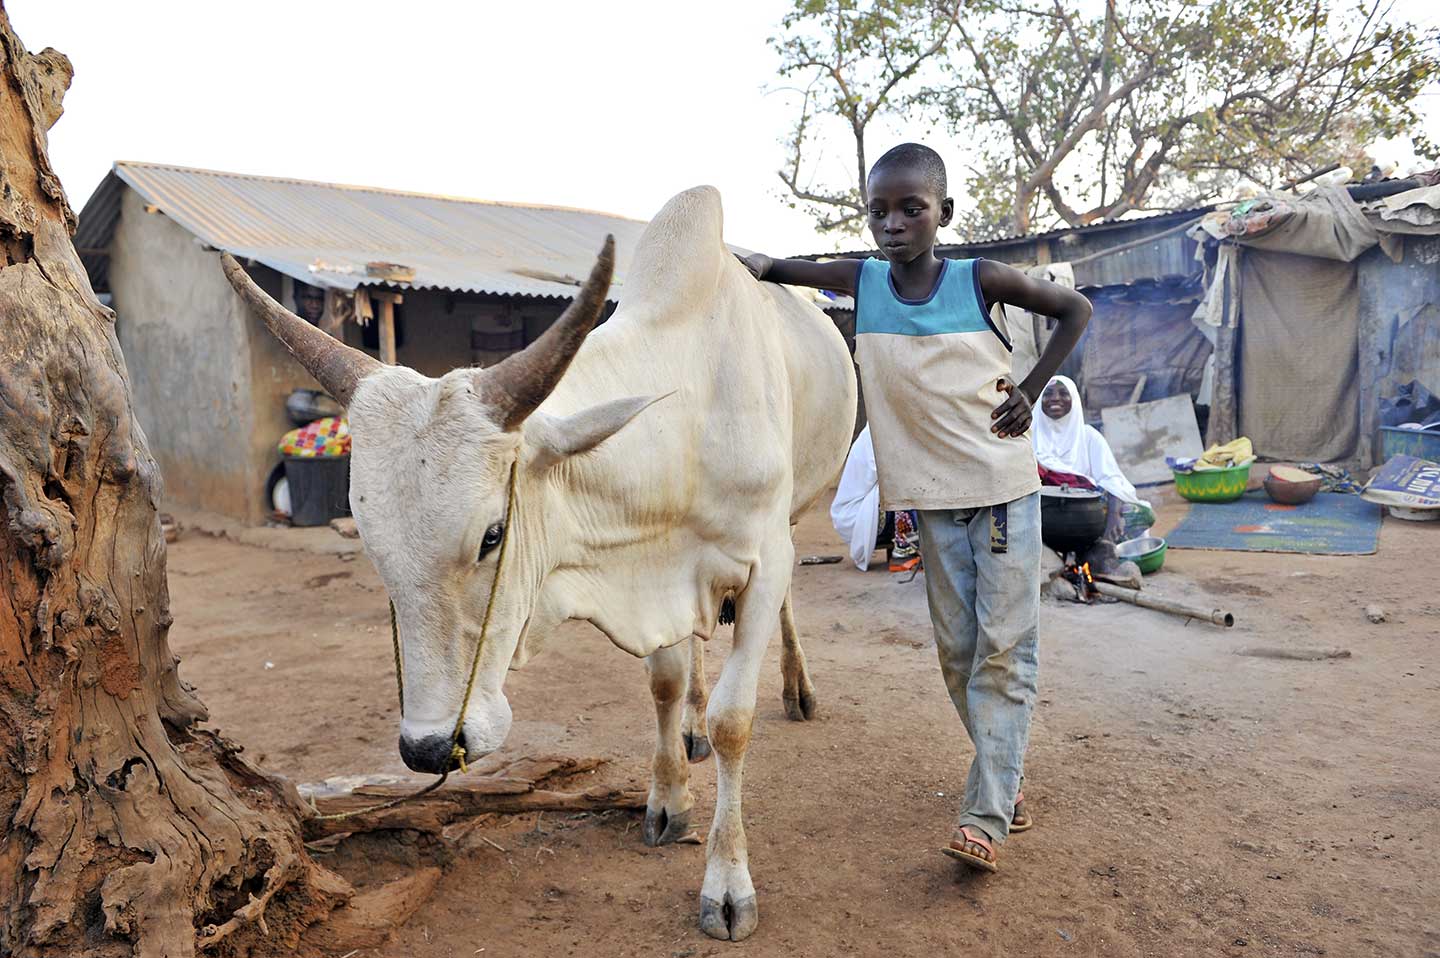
[(950, 442)]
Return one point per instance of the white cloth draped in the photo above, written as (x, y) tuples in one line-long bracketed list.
[(1069, 444), (855, 513)]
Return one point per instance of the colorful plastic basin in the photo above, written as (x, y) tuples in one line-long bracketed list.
[(1213, 485), (1147, 553)]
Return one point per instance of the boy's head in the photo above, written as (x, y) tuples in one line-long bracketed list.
[(907, 201)]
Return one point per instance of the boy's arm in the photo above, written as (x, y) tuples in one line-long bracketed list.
[(1005, 284), (838, 275)]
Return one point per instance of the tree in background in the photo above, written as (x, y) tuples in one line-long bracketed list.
[(858, 61), (1066, 114)]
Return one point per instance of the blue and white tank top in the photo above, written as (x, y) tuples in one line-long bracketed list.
[(930, 370)]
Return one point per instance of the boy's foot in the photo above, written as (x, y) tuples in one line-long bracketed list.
[(971, 846), (1019, 821), (905, 565)]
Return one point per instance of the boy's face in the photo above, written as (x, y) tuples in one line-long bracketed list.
[(905, 213)]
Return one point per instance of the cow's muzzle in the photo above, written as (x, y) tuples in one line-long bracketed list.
[(431, 754)]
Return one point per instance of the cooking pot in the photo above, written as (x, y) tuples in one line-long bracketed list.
[(1071, 519)]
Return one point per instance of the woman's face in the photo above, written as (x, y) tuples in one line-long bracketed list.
[(1055, 401)]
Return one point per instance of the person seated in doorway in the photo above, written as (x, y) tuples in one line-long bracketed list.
[(1070, 452), (859, 520), (309, 303)]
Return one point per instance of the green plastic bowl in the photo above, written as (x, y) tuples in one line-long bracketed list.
[(1147, 553), (1213, 485)]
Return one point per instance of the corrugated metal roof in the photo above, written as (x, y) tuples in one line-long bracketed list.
[(325, 233)]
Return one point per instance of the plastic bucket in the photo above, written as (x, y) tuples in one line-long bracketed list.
[(319, 488)]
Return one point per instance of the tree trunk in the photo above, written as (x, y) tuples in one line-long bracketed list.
[(129, 830)]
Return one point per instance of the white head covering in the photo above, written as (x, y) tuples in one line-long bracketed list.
[(1069, 444)]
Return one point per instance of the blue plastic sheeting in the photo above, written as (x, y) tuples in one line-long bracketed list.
[(1329, 524)]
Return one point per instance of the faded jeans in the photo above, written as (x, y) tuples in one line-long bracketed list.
[(985, 607)]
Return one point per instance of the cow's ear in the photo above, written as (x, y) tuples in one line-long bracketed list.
[(556, 438)]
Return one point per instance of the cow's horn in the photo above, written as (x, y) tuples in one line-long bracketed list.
[(519, 383), (339, 368)]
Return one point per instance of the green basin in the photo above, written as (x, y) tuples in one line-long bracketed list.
[(1213, 485), (1147, 553)]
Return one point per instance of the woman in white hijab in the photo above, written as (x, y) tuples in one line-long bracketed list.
[(1069, 449)]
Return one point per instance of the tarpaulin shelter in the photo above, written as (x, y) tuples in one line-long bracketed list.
[(1319, 305)]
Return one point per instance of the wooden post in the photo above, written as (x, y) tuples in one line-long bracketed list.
[(387, 325)]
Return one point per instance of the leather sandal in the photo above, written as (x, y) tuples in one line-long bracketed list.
[(1019, 822), (956, 849)]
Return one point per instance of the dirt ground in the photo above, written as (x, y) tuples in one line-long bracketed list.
[(1189, 800)]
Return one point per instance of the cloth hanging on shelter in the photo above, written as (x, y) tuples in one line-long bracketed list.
[(1299, 356), (364, 308), (1026, 341), (1210, 313), (1071, 445), (1325, 223), (855, 513)]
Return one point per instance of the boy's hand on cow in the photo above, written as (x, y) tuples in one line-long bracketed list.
[(1012, 417), (757, 263)]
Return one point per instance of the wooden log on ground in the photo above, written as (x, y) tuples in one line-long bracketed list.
[(504, 787), (1159, 604)]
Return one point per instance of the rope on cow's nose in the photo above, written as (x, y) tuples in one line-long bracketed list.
[(399, 675), (457, 751)]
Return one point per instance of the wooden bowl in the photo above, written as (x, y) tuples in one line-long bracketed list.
[(1288, 493)]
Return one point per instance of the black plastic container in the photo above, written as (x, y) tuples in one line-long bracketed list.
[(319, 488)]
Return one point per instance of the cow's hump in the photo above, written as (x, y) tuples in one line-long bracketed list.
[(680, 257)]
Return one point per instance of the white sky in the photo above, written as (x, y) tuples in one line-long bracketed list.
[(611, 106)]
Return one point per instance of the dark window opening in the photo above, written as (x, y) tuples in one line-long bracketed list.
[(370, 332)]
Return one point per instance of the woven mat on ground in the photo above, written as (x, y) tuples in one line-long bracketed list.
[(1329, 524)]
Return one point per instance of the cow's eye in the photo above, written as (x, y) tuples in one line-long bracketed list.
[(493, 535)]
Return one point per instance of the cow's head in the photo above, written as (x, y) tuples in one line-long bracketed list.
[(430, 476)]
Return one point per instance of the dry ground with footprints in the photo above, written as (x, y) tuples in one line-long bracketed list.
[(1191, 797)]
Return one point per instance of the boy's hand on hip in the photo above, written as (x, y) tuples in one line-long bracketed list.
[(757, 263), (1011, 419)]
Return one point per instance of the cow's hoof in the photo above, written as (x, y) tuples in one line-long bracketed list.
[(801, 706), (728, 921), (697, 747), (661, 828)]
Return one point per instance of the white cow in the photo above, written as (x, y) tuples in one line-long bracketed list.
[(745, 398)]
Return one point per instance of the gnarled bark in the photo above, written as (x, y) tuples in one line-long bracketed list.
[(129, 831)]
